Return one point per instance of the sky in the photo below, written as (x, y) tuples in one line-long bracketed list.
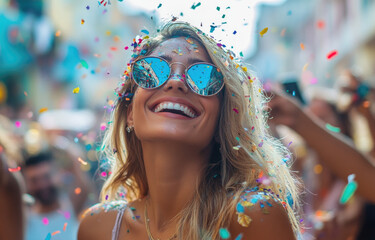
[(233, 22)]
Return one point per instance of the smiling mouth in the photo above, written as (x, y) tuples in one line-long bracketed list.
[(175, 108)]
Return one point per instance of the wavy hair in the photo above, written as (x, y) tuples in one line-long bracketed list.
[(244, 150)]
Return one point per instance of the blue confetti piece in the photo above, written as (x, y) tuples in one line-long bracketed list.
[(48, 236), (145, 31), (269, 204), (239, 237), (224, 234), (234, 32), (261, 204), (240, 208), (289, 200)]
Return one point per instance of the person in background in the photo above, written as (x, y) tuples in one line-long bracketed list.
[(11, 185), (54, 213)]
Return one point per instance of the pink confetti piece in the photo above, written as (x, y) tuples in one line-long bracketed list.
[(235, 109), (45, 221), (18, 124)]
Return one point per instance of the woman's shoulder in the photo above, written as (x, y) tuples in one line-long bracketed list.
[(98, 221), (261, 214)]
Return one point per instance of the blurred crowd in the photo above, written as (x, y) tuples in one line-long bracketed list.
[(50, 170)]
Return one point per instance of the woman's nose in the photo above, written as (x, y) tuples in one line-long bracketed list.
[(177, 79)]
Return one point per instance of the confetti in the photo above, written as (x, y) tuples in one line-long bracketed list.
[(282, 33), (224, 234), (126, 47), (145, 31), (218, 8), (56, 232), (332, 128), (239, 237), (302, 46), (349, 189), (77, 190), (81, 161), (305, 67), (14, 169), (243, 219), (25, 93), (195, 5), (160, 5), (104, 174), (82, 21), (320, 24), (58, 33), (103, 127), (235, 109), (18, 124), (234, 32), (45, 221), (84, 64), (237, 147), (318, 169), (76, 90), (87, 7), (332, 54), (43, 110), (48, 237), (263, 31), (65, 225)]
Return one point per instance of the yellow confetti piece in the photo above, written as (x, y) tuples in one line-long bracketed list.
[(305, 67), (58, 33), (260, 90), (82, 21), (243, 220), (81, 161), (43, 110), (244, 68), (108, 33), (247, 204), (76, 90), (264, 31)]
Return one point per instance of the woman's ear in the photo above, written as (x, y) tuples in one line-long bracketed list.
[(129, 114)]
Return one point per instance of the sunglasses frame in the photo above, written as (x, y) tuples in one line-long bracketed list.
[(169, 75)]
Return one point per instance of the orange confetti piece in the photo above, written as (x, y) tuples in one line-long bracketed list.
[(81, 161), (25, 93), (82, 21), (56, 232), (65, 224), (77, 190), (114, 48), (282, 33), (260, 174), (14, 169), (58, 33), (116, 38), (43, 110), (302, 46), (366, 104)]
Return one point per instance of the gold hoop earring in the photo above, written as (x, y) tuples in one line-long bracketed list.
[(129, 128)]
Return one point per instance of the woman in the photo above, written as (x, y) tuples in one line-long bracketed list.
[(190, 151)]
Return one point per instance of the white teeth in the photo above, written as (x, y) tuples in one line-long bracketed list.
[(175, 106)]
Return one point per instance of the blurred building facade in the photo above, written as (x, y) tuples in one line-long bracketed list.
[(318, 27)]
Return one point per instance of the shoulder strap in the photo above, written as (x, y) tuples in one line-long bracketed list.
[(116, 228)]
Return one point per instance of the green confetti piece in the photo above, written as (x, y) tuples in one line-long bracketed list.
[(241, 54), (332, 128), (160, 5), (224, 234), (84, 64), (218, 8), (223, 16), (349, 190), (196, 5), (237, 138)]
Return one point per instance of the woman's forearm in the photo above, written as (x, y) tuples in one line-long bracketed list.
[(338, 153)]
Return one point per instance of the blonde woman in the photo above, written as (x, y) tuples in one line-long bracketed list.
[(189, 152)]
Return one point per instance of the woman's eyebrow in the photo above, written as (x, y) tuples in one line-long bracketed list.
[(166, 57), (195, 60)]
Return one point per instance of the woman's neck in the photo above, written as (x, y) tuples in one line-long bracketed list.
[(173, 172)]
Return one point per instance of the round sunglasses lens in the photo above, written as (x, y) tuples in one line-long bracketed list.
[(150, 72), (205, 79)]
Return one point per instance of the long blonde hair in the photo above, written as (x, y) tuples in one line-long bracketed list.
[(243, 152)]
